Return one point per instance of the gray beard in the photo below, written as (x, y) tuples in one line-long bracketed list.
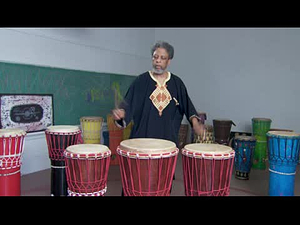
[(158, 71)]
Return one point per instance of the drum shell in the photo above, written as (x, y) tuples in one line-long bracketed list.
[(11, 150), (281, 182), (147, 173), (260, 155), (115, 138), (260, 126), (127, 131), (91, 130), (283, 155), (222, 130), (207, 177), (59, 184), (58, 142), (10, 182), (87, 175), (244, 151)]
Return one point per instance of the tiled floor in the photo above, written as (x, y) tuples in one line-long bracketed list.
[(38, 184)]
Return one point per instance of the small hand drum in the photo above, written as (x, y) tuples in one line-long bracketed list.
[(147, 166), (87, 168), (11, 150), (207, 169)]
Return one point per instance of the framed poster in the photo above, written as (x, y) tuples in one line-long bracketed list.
[(30, 112)]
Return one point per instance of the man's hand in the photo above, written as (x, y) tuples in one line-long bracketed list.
[(118, 114), (198, 127)]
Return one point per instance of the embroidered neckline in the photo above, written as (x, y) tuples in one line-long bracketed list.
[(160, 97), (157, 82)]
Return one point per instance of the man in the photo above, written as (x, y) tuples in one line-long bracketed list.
[(157, 100)]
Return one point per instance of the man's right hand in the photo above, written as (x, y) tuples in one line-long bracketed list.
[(118, 114)]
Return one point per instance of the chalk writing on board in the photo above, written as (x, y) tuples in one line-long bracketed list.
[(96, 94)]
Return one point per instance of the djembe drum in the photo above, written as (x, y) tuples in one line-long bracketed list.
[(91, 129), (11, 150), (147, 166), (207, 169), (283, 155), (87, 168), (222, 128), (58, 138), (260, 127), (244, 147)]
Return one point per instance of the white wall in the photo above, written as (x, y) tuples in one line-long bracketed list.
[(240, 73), (111, 50)]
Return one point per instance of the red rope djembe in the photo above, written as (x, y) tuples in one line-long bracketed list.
[(207, 169), (147, 166), (11, 149), (58, 138), (87, 168)]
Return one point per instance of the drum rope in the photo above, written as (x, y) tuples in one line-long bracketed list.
[(8, 174), (97, 193), (281, 173)]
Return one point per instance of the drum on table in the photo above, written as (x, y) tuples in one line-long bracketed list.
[(11, 151), (283, 155), (260, 126), (222, 128), (147, 166), (91, 129), (207, 169), (244, 147), (58, 138), (87, 168)]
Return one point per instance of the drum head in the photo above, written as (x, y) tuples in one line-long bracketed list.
[(11, 132), (63, 129), (283, 134), (222, 120), (91, 118), (208, 150), (245, 138), (261, 119), (148, 145), (86, 150)]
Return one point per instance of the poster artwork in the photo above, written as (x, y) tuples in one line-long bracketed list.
[(31, 113)]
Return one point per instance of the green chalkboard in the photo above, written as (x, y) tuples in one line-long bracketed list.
[(75, 93)]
